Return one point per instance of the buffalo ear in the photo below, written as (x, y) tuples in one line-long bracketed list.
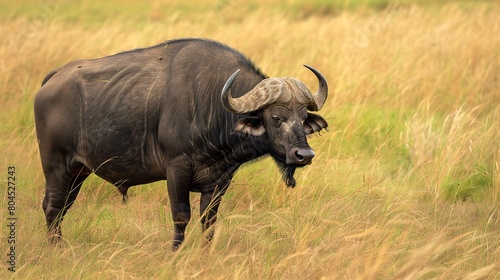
[(249, 126), (314, 123)]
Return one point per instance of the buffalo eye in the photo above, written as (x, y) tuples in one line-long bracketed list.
[(277, 121)]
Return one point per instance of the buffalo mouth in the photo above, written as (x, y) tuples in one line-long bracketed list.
[(288, 177), (287, 167), (287, 173)]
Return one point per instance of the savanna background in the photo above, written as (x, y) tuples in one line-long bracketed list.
[(405, 184)]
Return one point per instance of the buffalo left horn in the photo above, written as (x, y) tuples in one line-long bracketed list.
[(264, 93), (319, 98)]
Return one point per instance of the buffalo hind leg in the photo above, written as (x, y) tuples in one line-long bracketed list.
[(62, 188)]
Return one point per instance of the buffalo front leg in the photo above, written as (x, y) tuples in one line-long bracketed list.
[(209, 205), (178, 185)]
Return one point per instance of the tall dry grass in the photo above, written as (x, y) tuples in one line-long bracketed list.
[(405, 184)]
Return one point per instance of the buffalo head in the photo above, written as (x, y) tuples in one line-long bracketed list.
[(277, 109)]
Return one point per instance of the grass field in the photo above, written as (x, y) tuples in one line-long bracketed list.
[(405, 184)]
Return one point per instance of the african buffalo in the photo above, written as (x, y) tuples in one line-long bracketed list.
[(190, 111)]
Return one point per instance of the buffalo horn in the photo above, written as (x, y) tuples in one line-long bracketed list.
[(319, 97), (264, 93)]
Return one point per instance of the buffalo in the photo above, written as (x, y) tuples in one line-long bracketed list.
[(189, 111)]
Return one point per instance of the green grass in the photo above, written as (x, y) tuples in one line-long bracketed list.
[(404, 185)]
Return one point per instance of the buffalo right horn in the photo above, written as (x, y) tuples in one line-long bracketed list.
[(264, 93), (319, 98)]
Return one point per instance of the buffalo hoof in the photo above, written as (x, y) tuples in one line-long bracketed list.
[(176, 245), (175, 248), (54, 235), (54, 239), (209, 235)]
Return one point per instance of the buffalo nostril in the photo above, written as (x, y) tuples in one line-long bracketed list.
[(299, 156)]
